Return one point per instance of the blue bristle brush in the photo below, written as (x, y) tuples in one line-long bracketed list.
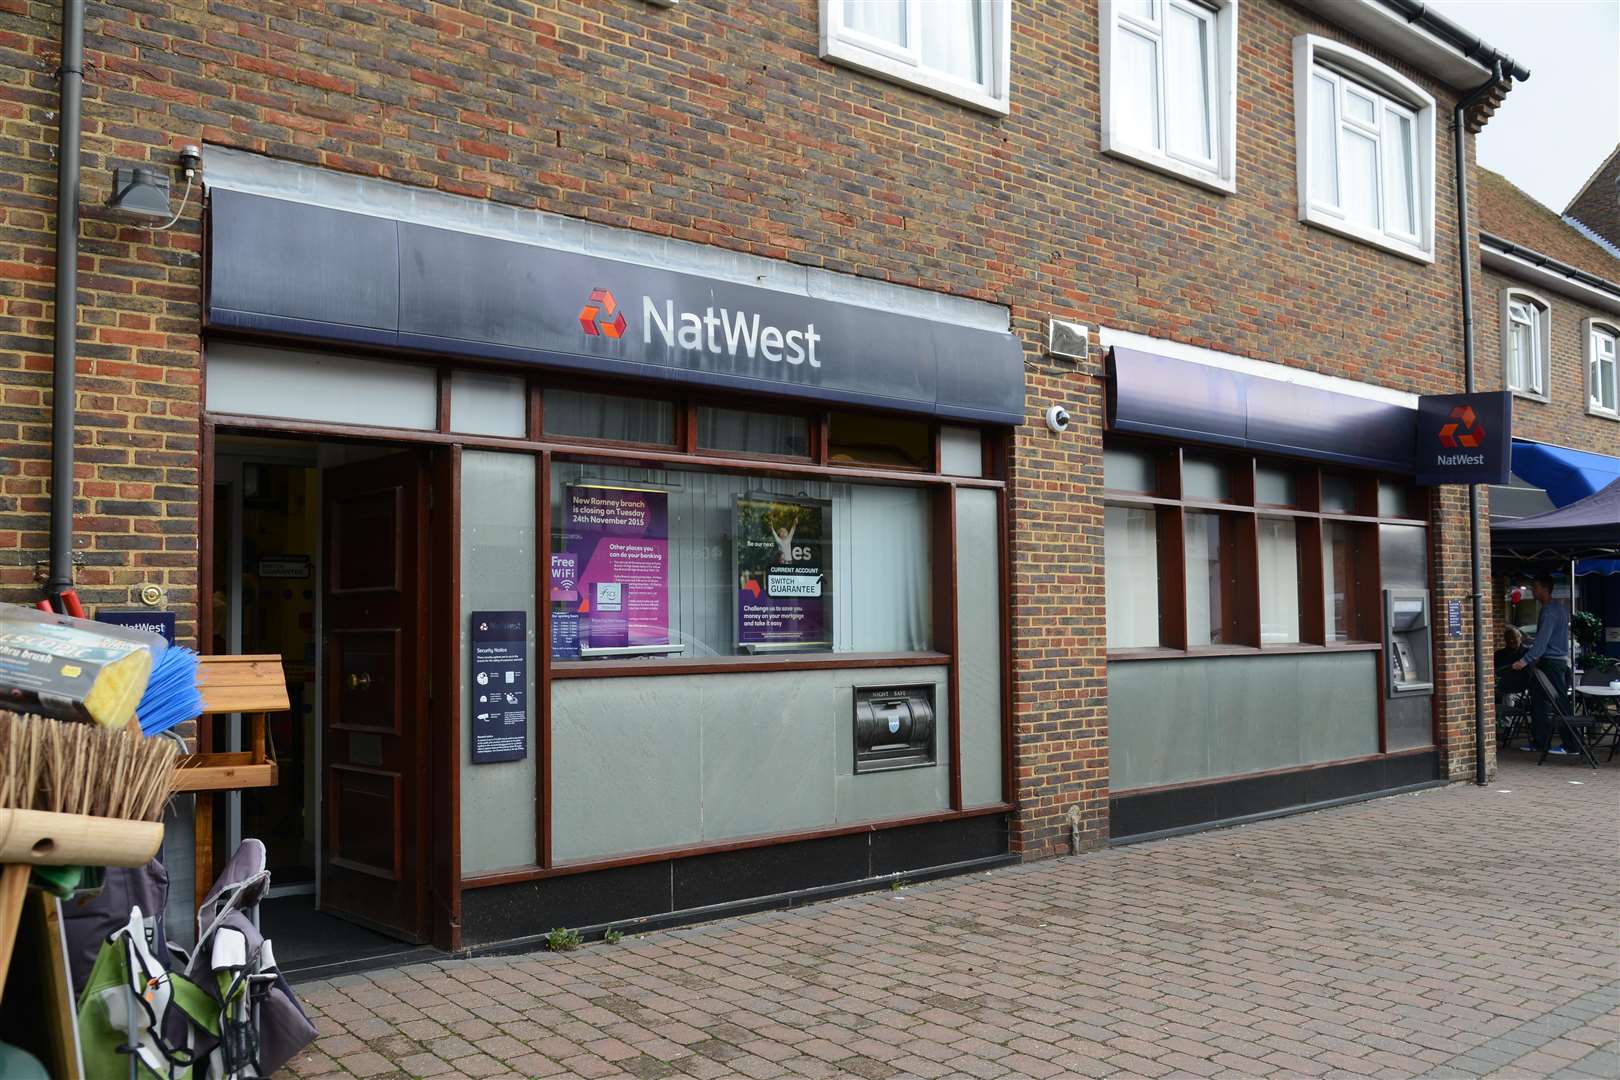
[(171, 696)]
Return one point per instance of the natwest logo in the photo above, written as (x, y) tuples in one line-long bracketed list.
[(1462, 429), (601, 316), (721, 330)]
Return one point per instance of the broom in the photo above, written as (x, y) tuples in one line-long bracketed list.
[(74, 794)]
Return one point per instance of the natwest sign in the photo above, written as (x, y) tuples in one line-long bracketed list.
[(1464, 438), (735, 333), (410, 286)]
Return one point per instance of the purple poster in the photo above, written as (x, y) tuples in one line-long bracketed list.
[(615, 571), (783, 573)]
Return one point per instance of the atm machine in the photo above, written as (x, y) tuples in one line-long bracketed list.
[(1408, 644)]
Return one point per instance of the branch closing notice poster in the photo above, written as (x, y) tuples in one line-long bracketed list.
[(783, 573), (500, 685), (618, 549)]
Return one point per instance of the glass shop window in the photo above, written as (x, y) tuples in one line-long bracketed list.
[(1275, 485), (1130, 470), (1206, 478), (740, 431), (1210, 612), (1338, 493), (1131, 565), (650, 563), (577, 414), (1339, 580), (1280, 575), (860, 439)]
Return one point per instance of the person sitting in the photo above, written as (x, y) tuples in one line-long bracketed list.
[(1508, 680)]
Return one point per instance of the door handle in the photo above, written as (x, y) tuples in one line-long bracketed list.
[(360, 681)]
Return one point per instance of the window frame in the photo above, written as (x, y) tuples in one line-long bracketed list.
[(1395, 94), (1591, 329), (843, 45), (1541, 336), (1241, 514), (1218, 173)]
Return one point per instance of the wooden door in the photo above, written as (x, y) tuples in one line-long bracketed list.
[(375, 663)]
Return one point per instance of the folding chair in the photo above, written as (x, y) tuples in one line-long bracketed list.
[(1542, 685)]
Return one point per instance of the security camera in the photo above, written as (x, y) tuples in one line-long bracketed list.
[(1057, 418)]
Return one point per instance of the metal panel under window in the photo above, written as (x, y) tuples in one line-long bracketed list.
[(497, 574), (330, 388)]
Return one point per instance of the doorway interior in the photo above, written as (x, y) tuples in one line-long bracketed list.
[(321, 556)]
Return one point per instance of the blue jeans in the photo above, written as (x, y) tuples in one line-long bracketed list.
[(1543, 712)]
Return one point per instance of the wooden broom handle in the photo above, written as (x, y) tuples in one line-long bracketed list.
[(13, 891)]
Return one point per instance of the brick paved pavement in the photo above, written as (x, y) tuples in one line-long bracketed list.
[(1368, 940)]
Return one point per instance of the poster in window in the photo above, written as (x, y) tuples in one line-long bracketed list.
[(784, 573), (613, 577)]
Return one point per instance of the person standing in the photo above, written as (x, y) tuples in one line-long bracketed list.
[(1549, 653)]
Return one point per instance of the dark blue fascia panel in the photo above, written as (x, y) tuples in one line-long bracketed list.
[(448, 292), (1150, 394), (307, 264)]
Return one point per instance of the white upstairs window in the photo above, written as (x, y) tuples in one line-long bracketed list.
[(1168, 95), (1366, 148), (956, 49), (1602, 395), (1525, 340)]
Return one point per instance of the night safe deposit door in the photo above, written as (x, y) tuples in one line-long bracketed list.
[(894, 727)]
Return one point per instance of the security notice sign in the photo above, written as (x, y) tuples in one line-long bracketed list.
[(784, 573), (500, 681)]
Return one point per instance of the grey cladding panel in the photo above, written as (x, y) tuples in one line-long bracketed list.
[(305, 263)]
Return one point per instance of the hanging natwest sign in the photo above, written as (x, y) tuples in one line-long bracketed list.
[(1464, 438)]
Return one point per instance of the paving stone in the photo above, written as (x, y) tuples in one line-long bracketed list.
[(1360, 941)]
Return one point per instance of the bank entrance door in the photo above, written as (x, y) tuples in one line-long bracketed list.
[(375, 670)]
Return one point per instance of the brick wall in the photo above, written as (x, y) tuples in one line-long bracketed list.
[(715, 123), (1562, 418)]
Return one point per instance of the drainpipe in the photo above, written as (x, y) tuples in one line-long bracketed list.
[(1459, 142), (67, 297)]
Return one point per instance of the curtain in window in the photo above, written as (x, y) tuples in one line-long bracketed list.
[(1279, 581), (1400, 170), (752, 433), (951, 38), (1204, 618), (605, 416), (1523, 340), (883, 19), (1136, 80), (1324, 129), (1131, 564), (1187, 82), (1603, 371)]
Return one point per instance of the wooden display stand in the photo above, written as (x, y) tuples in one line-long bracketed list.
[(254, 686)]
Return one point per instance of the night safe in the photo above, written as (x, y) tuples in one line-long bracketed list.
[(894, 727)]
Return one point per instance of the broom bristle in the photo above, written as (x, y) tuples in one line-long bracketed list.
[(77, 768)]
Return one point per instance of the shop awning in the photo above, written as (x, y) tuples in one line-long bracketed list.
[(1566, 475), (308, 272), (1589, 528)]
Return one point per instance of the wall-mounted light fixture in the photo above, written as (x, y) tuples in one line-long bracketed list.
[(144, 191)]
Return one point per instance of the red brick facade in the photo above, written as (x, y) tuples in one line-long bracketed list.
[(716, 124)]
